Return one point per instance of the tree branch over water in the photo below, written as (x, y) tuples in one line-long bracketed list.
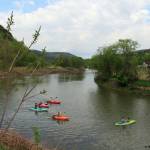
[(28, 90)]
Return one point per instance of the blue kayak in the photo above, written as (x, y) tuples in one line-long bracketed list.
[(39, 109)]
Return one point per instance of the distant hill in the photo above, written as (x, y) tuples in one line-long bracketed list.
[(54, 55), (9, 48)]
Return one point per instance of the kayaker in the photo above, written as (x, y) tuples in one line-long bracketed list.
[(128, 119), (40, 104), (123, 119), (36, 105), (59, 113), (43, 92)]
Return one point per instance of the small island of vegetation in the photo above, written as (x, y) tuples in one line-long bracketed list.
[(121, 66)]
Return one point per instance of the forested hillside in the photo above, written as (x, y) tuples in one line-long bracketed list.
[(9, 47)]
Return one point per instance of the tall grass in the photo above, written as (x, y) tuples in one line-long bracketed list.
[(14, 141), (36, 135), (2, 147)]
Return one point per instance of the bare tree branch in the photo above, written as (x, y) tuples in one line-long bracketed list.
[(4, 111), (10, 21), (14, 61), (28, 91), (35, 37)]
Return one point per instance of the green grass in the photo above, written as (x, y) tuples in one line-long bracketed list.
[(3, 147), (36, 135), (143, 83)]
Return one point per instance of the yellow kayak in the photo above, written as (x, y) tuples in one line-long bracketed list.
[(120, 123)]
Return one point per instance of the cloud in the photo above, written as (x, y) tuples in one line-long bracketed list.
[(21, 4), (81, 26)]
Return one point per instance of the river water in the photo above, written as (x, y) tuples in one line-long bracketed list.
[(93, 112)]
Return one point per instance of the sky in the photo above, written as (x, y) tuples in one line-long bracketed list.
[(78, 26)]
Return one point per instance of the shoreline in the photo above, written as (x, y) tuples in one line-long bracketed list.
[(12, 140), (23, 71), (132, 88)]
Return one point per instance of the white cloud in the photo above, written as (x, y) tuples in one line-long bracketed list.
[(20, 4), (81, 26)]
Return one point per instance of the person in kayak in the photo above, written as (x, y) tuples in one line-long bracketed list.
[(123, 120), (43, 92), (40, 104), (59, 114), (36, 105), (128, 119)]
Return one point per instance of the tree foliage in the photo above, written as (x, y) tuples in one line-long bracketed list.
[(117, 61), (10, 47), (75, 62)]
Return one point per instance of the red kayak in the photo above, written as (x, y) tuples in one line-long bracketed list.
[(61, 118), (54, 102), (43, 105)]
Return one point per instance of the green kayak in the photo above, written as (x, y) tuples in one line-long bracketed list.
[(39, 109), (120, 123)]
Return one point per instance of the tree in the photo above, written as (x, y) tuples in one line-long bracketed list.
[(129, 68), (42, 60), (117, 61), (65, 61)]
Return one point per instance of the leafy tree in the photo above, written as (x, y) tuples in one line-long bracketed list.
[(42, 59), (146, 57), (75, 62), (117, 61), (129, 67)]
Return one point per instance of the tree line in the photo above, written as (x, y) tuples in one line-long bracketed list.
[(71, 61)]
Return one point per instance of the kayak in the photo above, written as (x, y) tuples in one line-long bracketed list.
[(61, 118), (54, 102), (43, 105), (120, 123), (39, 109)]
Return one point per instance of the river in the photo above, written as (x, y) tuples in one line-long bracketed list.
[(93, 112)]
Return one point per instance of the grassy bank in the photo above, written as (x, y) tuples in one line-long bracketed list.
[(142, 83), (141, 87), (11, 140), (24, 71)]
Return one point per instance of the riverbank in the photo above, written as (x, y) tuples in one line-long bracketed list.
[(141, 87), (24, 71), (10, 140)]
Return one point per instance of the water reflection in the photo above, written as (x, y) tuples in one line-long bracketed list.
[(61, 122), (70, 77), (117, 103), (13, 83)]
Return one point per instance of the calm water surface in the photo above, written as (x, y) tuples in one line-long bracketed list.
[(93, 112)]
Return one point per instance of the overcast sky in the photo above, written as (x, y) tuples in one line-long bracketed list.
[(79, 26)]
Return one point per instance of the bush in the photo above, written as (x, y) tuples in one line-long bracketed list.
[(142, 83)]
